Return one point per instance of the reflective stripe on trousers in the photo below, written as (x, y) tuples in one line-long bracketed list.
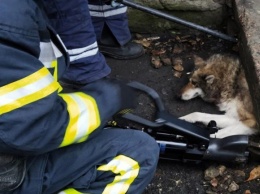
[(125, 169)]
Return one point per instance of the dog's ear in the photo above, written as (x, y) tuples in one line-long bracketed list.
[(209, 79), (198, 61)]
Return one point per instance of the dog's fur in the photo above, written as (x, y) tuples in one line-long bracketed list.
[(221, 80)]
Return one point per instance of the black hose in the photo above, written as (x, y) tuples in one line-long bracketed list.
[(177, 20)]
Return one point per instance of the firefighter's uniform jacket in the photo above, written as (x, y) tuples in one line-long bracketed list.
[(61, 134)]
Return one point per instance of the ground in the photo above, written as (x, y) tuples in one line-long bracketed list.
[(178, 177)]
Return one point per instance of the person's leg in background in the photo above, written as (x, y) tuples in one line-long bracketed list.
[(72, 21), (112, 31)]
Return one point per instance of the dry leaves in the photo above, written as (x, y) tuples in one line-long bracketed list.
[(247, 192), (254, 174), (156, 62), (222, 180), (146, 43)]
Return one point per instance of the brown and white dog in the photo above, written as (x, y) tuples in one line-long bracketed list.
[(221, 80)]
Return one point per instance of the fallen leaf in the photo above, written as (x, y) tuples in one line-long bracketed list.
[(247, 192), (155, 60), (138, 36), (177, 74), (143, 42), (158, 52), (177, 64), (177, 49), (254, 174), (153, 38), (193, 42), (166, 60)]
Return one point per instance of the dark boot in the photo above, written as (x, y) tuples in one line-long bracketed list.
[(109, 46)]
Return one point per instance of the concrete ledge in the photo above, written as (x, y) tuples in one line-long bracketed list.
[(247, 14), (209, 13)]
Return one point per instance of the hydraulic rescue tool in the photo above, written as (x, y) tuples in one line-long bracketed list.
[(183, 141)]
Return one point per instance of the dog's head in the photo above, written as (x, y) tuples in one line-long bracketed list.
[(200, 82)]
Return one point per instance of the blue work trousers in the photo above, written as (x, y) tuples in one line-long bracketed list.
[(124, 157), (72, 21)]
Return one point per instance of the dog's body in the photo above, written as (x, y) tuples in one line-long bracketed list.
[(221, 80)]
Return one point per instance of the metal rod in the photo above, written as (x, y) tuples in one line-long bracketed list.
[(177, 20)]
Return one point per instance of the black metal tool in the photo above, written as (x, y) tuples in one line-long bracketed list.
[(176, 19), (182, 141)]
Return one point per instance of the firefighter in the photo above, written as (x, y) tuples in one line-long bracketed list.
[(87, 29), (112, 31), (56, 142)]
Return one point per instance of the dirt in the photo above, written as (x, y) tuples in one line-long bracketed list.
[(172, 176)]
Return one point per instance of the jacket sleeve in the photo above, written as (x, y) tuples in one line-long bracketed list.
[(34, 117)]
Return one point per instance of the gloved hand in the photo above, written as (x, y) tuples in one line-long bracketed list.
[(112, 96), (107, 2)]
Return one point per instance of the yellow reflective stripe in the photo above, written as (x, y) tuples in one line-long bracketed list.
[(74, 113), (48, 56), (84, 117), (24, 81), (70, 191), (127, 170), (27, 90), (54, 64)]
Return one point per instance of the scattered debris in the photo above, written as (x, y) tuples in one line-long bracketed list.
[(233, 187), (219, 179)]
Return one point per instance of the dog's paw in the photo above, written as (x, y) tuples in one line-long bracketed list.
[(233, 130), (192, 117)]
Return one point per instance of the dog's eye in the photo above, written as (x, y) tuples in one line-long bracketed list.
[(193, 82)]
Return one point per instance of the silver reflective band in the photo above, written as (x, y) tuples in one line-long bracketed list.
[(106, 10), (48, 53), (80, 53)]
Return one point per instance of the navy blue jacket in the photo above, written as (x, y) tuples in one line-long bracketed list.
[(35, 115)]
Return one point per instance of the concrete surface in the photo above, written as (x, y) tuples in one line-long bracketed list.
[(248, 17)]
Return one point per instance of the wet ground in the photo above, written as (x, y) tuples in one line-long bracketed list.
[(178, 177)]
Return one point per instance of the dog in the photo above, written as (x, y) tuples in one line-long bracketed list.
[(221, 80)]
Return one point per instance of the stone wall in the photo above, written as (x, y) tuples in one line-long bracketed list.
[(210, 13), (248, 17)]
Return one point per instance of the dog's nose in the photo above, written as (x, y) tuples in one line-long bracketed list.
[(178, 96)]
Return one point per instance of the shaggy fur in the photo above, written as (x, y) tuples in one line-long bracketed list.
[(221, 80)]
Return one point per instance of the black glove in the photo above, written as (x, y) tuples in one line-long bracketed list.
[(107, 2), (112, 3), (112, 96)]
